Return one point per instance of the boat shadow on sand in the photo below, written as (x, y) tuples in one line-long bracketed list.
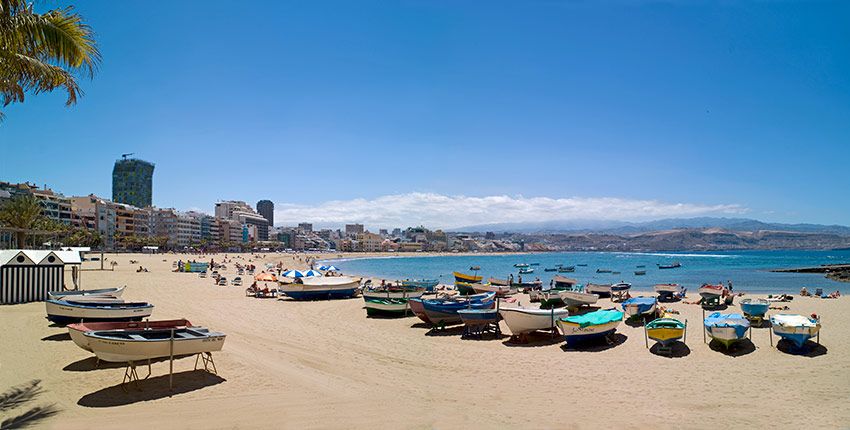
[(677, 350), (58, 337), (737, 349), (90, 363), (150, 389), (597, 345), (534, 339), (810, 349)]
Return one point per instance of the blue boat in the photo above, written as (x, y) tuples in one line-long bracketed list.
[(726, 328), (755, 308), (427, 284), (445, 311), (797, 329), (589, 326), (65, 312), (639, 306)]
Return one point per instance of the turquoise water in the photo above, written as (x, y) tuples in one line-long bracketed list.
[(748, 270)]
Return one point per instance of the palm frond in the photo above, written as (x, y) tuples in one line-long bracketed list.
[(29, 418), (16, 396)]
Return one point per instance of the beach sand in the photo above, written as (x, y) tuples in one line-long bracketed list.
[(323, 364)]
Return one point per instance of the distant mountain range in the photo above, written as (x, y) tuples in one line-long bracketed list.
[(627, 228)]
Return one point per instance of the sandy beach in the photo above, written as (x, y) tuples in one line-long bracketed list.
[(323, 364)]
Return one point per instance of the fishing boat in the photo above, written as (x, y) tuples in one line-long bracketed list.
[(321, 287), (562, 282), (708, 291), (726, 328), (392, 293), (668, 291), (581, 265), (528, 286), (476, 321), (550, 298), (520, 265), (77, 330), (592, 325), (496, 281), (500, 290), (574, 299), (639, 307), (796, 328), (601, 290), (463, 277), (526, 271), (521, 321), (566, 269), (144, 344), (665, 330), (754, 308), (465, 288), (64, 312), (442, 312), (475, 268), (550, 269), (640, 272), (669, 266), (620, 287), (75, 295), (641, 266), (418, 309), (386, 307), (427, 284), (603, 270)]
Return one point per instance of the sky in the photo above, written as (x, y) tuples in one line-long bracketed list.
[(452, 113)]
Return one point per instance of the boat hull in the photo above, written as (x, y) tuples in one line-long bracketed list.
[(665, 331), (798, 332), (577, 298), (710, 292), (575, 334), (387, 307), (520, 321), (462, 277), (599, 290), (321, 288), (755, 308), (392, 294), (64, 313), (427, 284), (725, 335), (418, 309), (77, 330), (122, 351), (75, 295)]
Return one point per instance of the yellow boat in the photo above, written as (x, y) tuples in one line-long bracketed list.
[(463, 277), (666, 330)]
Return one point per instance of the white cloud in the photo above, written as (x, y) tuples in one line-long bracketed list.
[(441, 211)]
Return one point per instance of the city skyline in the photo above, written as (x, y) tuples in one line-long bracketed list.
[(694, 109)]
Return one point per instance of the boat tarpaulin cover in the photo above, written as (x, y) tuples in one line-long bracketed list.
[(793, 321), (595, 318), (643, 304), (737, 321)]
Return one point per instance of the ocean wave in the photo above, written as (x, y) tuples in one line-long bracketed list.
[(663, 254)]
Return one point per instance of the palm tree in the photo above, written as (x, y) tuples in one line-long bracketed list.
[(21, 214), (15, 398), (43, 52)]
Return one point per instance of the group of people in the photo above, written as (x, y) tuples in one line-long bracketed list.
[(833, 295)]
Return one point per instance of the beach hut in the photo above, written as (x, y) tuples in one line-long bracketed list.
[(27, 275)]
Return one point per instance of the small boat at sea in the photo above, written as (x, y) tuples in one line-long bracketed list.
[(581, 265), (592, 325), (665, 330), (639, 307), (574, 299), (142, 344), (77, 330), (521, 265), (640, 272), (427, 284), (602, 290), (797, 329), (674, 265), (668, 291), (709, 291), (444, 311), (603, 270), (754, 308), (525, 271), (321, 287), (463, 277), (641, 266), (386, 307), (566, 269), (726, 328), (534, 264), (77, 294), (475, 268), (521, 321), (64, 312), (550, 269)]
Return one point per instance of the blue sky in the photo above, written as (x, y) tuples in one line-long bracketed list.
[(525, 110)]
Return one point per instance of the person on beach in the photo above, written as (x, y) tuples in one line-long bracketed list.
[(730, 286), (805, 292)]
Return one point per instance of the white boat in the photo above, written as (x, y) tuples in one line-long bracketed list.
[(602, 290), (325, 287), (75, 295), (726, 328), (392, 294), (795, 328), (577, 298), (65, 312), (520, 320), (77, 330), (500, 290), (95, 299), (136, 345)]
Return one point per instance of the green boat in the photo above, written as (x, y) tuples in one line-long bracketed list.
[(387, 307), (465, 288)]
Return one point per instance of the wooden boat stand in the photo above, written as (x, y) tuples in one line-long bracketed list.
[(131, 377), (710, 304)]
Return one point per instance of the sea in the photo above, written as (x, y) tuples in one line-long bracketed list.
[(749, 271)]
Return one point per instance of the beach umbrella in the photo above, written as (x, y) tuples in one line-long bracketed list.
[(324, 267), (293, 274), (265, 277), (312, 273), (330, 269)]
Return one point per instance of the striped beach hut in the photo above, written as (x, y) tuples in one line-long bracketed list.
[(27, 275)]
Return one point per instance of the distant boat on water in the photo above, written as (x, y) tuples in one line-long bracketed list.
[(674, 265), (566, 269), (603, 270), (550, 269), (525, 271), (640, 272)]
